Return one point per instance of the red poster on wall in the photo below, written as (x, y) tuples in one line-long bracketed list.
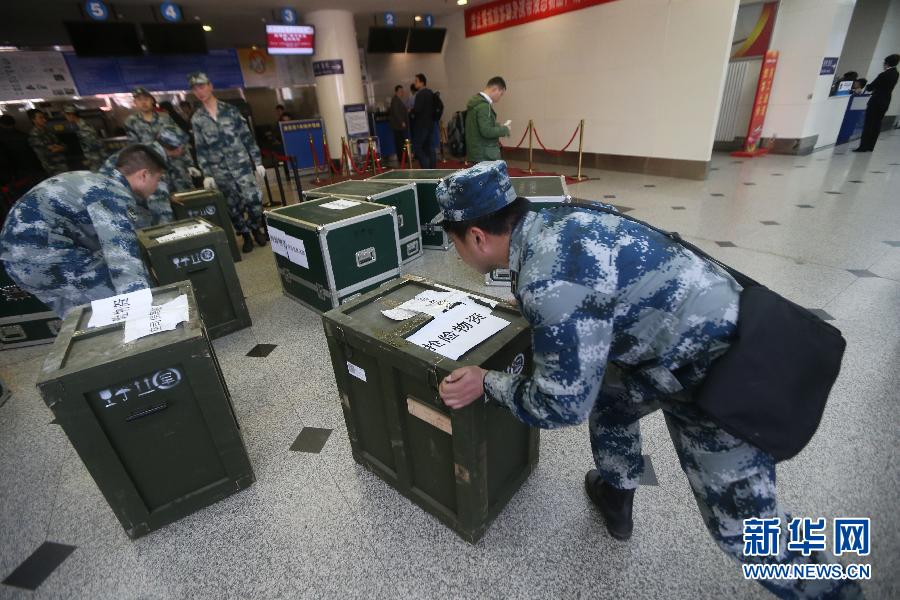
[(753, 30), (509, 13), (760, 105)]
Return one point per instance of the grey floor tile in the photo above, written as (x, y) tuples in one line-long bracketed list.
[(862, 273)]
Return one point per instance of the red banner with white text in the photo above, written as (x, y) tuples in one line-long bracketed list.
[(509, 13), (761, 102)]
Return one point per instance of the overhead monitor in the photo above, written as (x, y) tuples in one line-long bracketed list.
[(291, 39), (174, 38), (387, 39), (104, 39), (426, 40)]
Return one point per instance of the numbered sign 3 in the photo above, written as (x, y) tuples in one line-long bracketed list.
[(96, 10), (288, 16), (170, 11)]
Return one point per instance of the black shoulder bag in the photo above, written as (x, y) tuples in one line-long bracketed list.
[(770, 387)]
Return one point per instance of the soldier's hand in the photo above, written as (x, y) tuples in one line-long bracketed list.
[(260, 171), (462, 387), (194, 172), (209, 183)]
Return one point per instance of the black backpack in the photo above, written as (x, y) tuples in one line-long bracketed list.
[(456, 134), (437, 107)]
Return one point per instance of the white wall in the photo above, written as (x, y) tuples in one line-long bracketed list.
[(862, 37), (888, 43), (646, 75)]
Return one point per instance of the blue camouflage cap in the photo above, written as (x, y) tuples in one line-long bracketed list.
[(170, 137), (198, 78), (475, 192)]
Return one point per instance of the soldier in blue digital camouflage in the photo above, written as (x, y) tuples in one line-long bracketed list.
[(50, 151), (227, 153), (624, 322), (91, 144), (71, 240), (155, 209)]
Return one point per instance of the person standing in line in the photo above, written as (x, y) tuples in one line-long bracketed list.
[(71, 240), (50, 151), (91, 145), (143, 126), (881, 88), (482, 131), (18, 162), (422, 124), (227, 154), (399, 118)]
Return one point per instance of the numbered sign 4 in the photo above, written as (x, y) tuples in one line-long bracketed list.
[(170, 11), (96, 10)]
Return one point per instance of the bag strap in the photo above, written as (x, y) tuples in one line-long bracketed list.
[(674, 236)]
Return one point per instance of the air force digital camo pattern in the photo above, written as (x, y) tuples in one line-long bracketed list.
[(162, 129), (70, 240), (155, 210), (40, 139), (626, 322), (91, 145), (475, 192)]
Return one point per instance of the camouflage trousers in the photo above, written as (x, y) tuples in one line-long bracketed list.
[(731, 479), (244, 199), (179, 178)]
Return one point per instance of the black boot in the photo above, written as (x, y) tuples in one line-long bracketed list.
[(615, 505), (248, 243), (260, 236)]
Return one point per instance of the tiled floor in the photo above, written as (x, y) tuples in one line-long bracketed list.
[(317, 525)]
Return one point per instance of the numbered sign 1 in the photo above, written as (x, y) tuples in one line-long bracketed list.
[(170, 11), (288, 16), (96, 10), (428, 21), (390, 19)]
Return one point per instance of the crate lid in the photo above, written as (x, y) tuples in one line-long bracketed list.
[(78, 347), (325, 211), (196, 195), (363, 318), (361, 189), (413, 175), (177, 230)]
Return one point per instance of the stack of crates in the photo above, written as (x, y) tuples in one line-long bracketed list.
[(209, 205), (24, 320)]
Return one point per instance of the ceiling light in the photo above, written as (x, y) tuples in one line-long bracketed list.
[(418, 18), (207, 28), (462, 2)]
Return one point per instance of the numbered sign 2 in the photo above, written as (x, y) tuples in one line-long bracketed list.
[(96, 10), (428, 21), (390, 19), (288, 16), (170, 11)]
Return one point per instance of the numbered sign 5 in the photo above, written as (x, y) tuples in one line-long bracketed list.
[(170, 11), (96, 10), (390, 19), (428, 21), (288, 16)]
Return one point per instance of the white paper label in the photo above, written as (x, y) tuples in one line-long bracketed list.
[(183, 232), (160, 318), (339, 204), (399, 314), (118, 308), (357, 372), (458, 330), (434, 303), (488, 301), (288, 246), (276, 239)]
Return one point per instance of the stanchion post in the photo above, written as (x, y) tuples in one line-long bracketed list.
[(345, 157), (278, 179), (530, 147), (579, 176), (298, 185), (372, 154), (268, 190), (312, 148), (409, 154)]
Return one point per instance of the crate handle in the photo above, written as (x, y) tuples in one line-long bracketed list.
[(147, 412), (400, 220), (12, 333), (366, 257)]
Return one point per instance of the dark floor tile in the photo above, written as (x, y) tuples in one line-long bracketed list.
[(894, 164), (855, 181), (821, 314), (749, 183), (895, 243), (261, 350), (717, 195), (607, 196), (805, 206), (777, 174), (770, 222), (834, 193), (799, 166), (714, 168), (678, 208), (649, 185), (39, 566), (622, 209), (649, 476), (737, 162), (862, 272), (727, 244), (311, 439), (876, 171)]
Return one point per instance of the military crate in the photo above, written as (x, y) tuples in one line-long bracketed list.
[(24, 320), (209, 205), (5, 393), (151, 419), (402, 196), (196, 250), (329, 250), (426, 180), (461, 466)]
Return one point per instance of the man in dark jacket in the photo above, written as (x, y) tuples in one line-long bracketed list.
[(482, 132), (422, 119), (399, 118), (881, 89)]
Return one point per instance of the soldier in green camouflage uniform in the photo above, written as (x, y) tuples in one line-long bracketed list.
[(227, 153), (50, 151), (91, 144), (71, 240), (624, 322)]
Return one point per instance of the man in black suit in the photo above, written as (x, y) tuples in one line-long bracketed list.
[(881, 89), (422, 117)]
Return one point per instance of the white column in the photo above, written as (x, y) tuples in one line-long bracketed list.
[(336, 40)]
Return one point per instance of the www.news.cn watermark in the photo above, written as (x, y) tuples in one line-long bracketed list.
[(806, 535)]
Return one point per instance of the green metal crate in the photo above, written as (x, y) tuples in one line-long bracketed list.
[(151, 419), (461, 466), (426, 181), (332, 255), (24, 320), (402, 196), (205, 260), (209, 205)]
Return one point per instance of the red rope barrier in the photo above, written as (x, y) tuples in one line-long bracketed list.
[(541, 144), (353, 161), (519, 145)]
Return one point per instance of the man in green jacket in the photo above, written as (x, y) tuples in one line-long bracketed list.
[(482, 132)]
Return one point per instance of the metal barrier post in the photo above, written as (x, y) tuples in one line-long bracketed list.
[(312, 148), (530, 147), (409, 154), (278, 180), (579, 176), (298, 185)]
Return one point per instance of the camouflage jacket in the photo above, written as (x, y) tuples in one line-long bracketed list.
[(140, 131), (224, 143), (40, 141), (91, 145), (600, 289)]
